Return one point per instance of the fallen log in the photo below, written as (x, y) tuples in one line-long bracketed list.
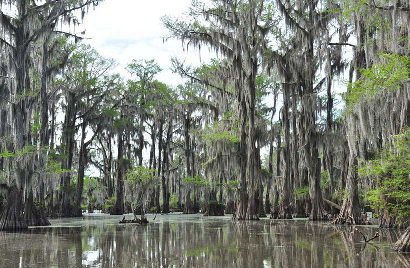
[(138, 221), (334, 205)]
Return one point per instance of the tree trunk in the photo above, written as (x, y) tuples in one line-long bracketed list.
[(165, 170), (403, 244), (285, 210), (141, 141), (275, 201), (67, 162), (44, 132), (34, 215), (315, 192), (119, 202), (160, 168), (350, 212), (241, 201), (82, 162), (12, 218)]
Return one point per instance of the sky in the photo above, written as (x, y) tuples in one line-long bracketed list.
[(132, 29)]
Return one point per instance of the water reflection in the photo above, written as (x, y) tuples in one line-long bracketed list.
[(196, 241)]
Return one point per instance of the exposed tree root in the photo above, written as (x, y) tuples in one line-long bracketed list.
[(403, 244)]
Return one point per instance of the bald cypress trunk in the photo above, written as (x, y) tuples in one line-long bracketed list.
[(269, 182), (253, 180), (66, 195), (81, 172), (187, 125), (285, 210), (33, 214), (165, 170), (160, 165), (350, 212), (310, 146), (12, 217), (44, 130), (119, 201), (275, 201), (242, 195)]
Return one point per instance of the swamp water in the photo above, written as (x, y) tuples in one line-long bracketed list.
[(195, 241)]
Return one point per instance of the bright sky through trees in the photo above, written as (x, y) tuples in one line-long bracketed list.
[(136, 32)]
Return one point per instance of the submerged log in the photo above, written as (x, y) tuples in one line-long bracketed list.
[(136, 220), (403, 244)]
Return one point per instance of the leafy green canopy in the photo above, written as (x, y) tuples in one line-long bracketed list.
[(386, 76), (391, 171)]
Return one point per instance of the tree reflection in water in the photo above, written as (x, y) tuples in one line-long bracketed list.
[(196, 241)]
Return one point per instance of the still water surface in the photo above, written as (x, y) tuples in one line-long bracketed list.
[(197, 241)]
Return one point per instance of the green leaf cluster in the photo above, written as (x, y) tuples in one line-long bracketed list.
[(301, 192), (324, 179), (36, 126), (391, 170), (6, 154), (173, 203), (141, 174), (222, 135), (194, 181), (110, 203), (54, 167), (380, 77)]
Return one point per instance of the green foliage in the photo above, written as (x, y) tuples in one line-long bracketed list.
[(339, 195), (36, 126), (28, 149), (391, 171), (301, 192), (223, 135), (54, 167), (144, 69), (219, 132), (153, 209), (140, 181), (90, 183), (228, 115), (70, 188), (324, 180), (380, 77), (141, 174), (110, 112), (7, 154), (110, 203), (194, 181), (231, 186), (209, 161), (173, 203)]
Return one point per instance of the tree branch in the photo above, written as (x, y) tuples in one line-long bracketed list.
[(341, 44)]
